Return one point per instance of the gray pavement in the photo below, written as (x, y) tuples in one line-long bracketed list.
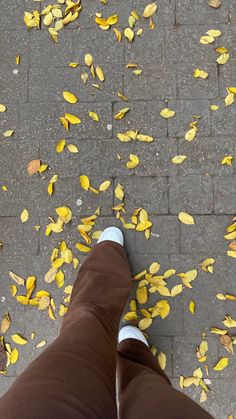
[(200, 186)]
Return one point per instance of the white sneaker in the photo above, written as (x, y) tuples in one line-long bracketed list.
[(113, 234), (131, 332)]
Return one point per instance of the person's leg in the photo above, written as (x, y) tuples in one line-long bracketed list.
[(145, 391), (75, 376)]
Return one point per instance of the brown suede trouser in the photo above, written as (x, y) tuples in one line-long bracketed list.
[(75, 377)]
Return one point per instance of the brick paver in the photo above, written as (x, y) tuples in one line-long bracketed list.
[(201, 186)]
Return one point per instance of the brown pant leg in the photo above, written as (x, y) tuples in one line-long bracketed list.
[(144, 389), (75, 377)]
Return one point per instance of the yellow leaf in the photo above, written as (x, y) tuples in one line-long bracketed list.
[(229, 322), (141, 295), (54, 34), (50, 189), (73, 65), (198, 373), (42, 168), (14, 356), (131, 315), (18, 339), (50, 275), (94, 116), (104, 186), (223, 58), (215, 4), (145, 323), (70, 97), (162, 308), (231, 253), (24, 216), (200, 74), (150, 10), (17, 278), (125, 138), (214, 33), (88, 59), (189, 381), (118, 34), (191, 307), (60, 145), (176, 290), (8, 133), (134, 161), (99, 73), (228, 160), (41, 344), (214, 107), (82, 248), (178, 159), (221, 364), (121, 113), (3, 108), (72, 148), (232, 90), (167, 113), (186, 218), (162, 360), (191, 134), (229, 100), (72, 119), (206, 39), (218, 331), (18, 59), (154, 268), (44, 302), (129, 34), (84, 182), (119, 192)]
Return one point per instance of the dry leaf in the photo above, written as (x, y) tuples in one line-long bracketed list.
[(150, 10), (19, 339), (141, 295), (221, 364), (24, 216), (167, 113), (214, 3), (133, 162), (5, 323), (186, 218), (191, 307), (94, 116), (70, 97), (33, 166), (145, 323), (84, 182), (104, 186), (3, 108), (8, 133), (60, 145), (14, 356), (129, 34), (178, 159), (72, 148), (162, 360)]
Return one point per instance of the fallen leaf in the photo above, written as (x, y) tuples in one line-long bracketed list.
[(24, 216), (178, 159), (14, 356), (60, 145), (70, 97), (104, 186), (162, 360), (133, 162), (200, 74), (94, 116), (141, 295), (33, 166), (82, 248), (186, 218), (191, 307), (221, 364), (167, 113), (129, 34), (72, 148), (3, 108), (150, 10), (223, 58), (41, 344), (84, 182), (5, 323), (19, 339), (8, 133), (18, 279), (145, 323), (214, 3)]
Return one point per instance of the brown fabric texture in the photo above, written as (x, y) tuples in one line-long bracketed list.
[(75, 377)]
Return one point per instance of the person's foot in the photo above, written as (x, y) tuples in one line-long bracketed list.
[(131, 332), (113, 234)]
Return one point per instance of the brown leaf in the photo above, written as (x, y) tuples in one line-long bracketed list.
[(226, 341), (216, 4), (5, 323), (33, 167)]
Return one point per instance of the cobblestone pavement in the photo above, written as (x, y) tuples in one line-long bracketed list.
[(200, 186)]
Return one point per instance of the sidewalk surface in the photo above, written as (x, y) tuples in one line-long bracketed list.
[(202, 186)]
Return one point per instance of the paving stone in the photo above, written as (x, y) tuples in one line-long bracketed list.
[(103, 49), (189, 87), (223, 122), (146, 49), (153, 191), (182, 41), (12, 14), (14, 233), (43, 121), (165, 14), (185, 112), (49, 84), (87, 161), (92, 201), (204, 155), (143, 116), (13, 43), (13, 83), (199, 12), (45, 53), (185, 360), (9, 120), (191, 193), (155, 157), (19, 154), (232, 11), (227, 77), (224, 192), (164, 238), (156, 82), (207, 235)]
